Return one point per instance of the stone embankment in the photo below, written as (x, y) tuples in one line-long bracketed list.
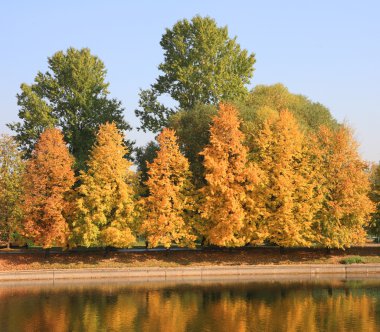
[(201, 272)]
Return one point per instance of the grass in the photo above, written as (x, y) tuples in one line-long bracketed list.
[(353, 260)]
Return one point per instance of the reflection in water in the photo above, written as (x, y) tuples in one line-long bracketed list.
[(202, 306)]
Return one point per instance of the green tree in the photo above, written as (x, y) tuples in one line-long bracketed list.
[(375, 198), (105, 206), (144, 156), (264, 99), (192, 128), (72, 95), (263, 102), (11, 172), (202, 64)]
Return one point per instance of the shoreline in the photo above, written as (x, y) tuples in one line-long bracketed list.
[(201, 272)]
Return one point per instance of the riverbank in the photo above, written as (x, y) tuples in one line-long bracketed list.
[(202, 272), (18, 260)]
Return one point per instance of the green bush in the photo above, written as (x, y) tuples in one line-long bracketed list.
[(352, 260)]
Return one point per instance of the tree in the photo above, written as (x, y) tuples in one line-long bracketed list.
[(144, 156), (192, 128), (72, 95), (345, 186), (170, 203), (266, 99), (202, 64), (47, 182), (374, 226), (289, 197), (229, 179), (106, 213), (11, 172), (192, 125)]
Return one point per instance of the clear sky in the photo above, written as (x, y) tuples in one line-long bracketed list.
[(326, 50)]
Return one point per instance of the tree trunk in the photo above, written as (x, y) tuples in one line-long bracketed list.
[(203, 241), (9, 240), (106, 251)]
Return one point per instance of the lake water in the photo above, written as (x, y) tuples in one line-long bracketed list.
[(227, 305)]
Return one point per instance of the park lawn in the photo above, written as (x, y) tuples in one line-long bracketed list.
[(242, 256)]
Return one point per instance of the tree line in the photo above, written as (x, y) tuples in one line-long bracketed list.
[(229, 166)]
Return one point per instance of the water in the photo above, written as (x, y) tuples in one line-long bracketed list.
[(228, 305)]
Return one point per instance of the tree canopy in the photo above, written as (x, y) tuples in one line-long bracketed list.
[(288, 198), (228, 177), (202, 64), (73, 95), (374, 226), (47, 182), (346, 206), (105, 205), (168, 206), (264, 100), (11, 188)]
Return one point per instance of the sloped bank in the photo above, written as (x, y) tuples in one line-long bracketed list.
[(202, 272)]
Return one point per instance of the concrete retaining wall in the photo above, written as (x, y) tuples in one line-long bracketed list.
[(194, 272)]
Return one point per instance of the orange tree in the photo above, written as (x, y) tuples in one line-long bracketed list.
[(229, 179), (47, 182), (105, 208), (170, 203)]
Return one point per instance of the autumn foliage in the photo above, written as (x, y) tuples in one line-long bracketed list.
[(105, 205), (47, 182), (288, 198), (170, 202), (276, 183), (229, 179), (345, 183)]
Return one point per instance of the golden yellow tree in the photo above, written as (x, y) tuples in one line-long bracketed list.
[(170, 202), (229, 180), (346, 205), (105, 212), (47, 182), (289, 196)]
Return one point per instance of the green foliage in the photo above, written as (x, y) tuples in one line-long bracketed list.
[(265, 99), (202, 64), (153, 115), (352, 260), (192, 128), (73, 95), (375, 198), (11, 172), (144, 156), (192, 125)]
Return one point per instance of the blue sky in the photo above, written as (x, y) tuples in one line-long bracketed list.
[(326, 50)]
